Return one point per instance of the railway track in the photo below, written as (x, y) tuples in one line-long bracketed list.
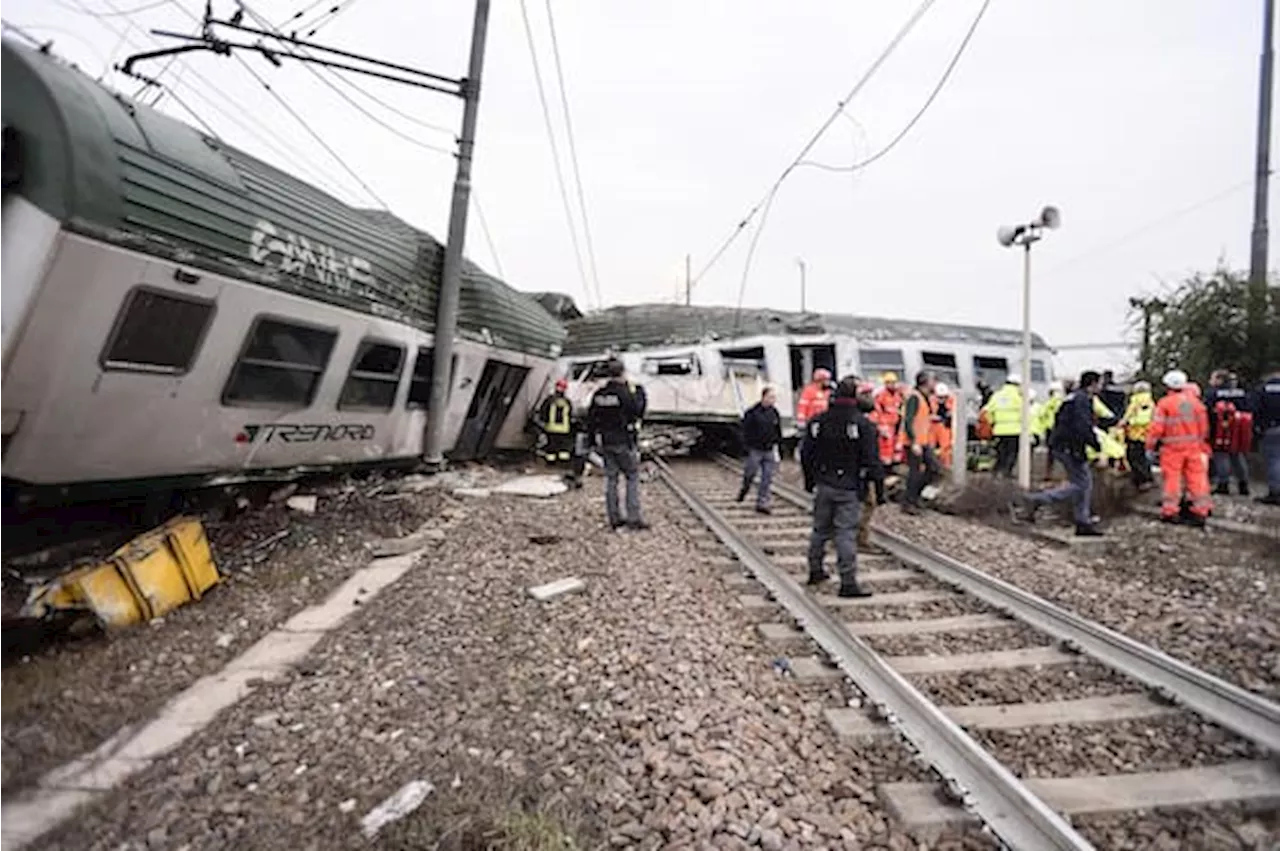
[(990, 685)]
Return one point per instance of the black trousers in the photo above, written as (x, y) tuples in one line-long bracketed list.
[(921, 471), (1139, 466), (1006, 455)]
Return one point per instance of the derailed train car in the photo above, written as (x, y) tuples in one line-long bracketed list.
[(704, 365), (178, 313)]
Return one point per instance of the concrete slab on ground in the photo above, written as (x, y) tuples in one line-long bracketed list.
[(897, 598), (919, 807), (551, 590), (541, 486), (959, 623), (811, 669)]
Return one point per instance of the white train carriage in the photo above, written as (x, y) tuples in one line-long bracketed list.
[(705, 365), (177, 313)]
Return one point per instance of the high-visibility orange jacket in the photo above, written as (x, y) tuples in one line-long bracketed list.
[(887, 414), (1180, 420), (814, 400)]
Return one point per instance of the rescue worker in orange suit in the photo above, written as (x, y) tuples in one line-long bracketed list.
[(917, 425), (887, 416), (1230, 427), (814, 398), (942, 424), (555, 418), (1180, 431)]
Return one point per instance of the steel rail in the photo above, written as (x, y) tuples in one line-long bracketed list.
[(983, 785), (1243, 712)]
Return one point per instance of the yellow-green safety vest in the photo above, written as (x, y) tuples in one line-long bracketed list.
[(559, 416), (1005, 411)]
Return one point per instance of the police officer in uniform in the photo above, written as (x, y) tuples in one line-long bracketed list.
[(1266, 407), (841, 457), (612, 422)]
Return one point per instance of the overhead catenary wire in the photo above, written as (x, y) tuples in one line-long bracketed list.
[(573, 158), (488, 237), (555, 152), (326, 18), (813, 140), (118, 13), (933, 95)]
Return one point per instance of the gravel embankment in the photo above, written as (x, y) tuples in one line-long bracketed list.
[(1211, 600), (1225, 828), (68, 699), (1119, 747), (643, 712)]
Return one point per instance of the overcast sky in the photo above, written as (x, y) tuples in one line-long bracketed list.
[(1123, 114)]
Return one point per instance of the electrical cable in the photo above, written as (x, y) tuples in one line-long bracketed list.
[(119, 12), (555, 151), (327, 18), (573, 157), (942, 81), (488, 237), (857, 87), (296, 15)]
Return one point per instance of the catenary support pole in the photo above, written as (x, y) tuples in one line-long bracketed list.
[(803, 298), (1261, 175), (1024, 435), (959, 438), (451, 284), (688, 280)]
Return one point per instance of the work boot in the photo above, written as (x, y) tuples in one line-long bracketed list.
[(817, 578), (637, 525), (742, 493), (617, 524), (1244, 488), (853, 590), (1171, 519), (1195, 521), (1023, 510), (1089, 531), (1223, 489), (1269, 499), (763, 509)]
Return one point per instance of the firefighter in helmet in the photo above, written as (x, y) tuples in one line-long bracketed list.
[(555, 418)]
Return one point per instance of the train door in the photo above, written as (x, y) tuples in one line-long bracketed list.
[(496, 391), (805, 359)]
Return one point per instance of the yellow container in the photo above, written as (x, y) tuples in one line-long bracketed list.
[(147, 577)]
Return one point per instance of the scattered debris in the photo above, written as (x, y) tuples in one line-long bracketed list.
[(147, 577), (347, 806), (475, 493), (406, 800), (283, 493), (542, 486), (551, 590), (543, 540), (304, 504), (224, 641)]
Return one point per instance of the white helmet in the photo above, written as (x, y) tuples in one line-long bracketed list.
[(1174, 379), (1014, 378), (942, 389), (1031, 394), (1056, 386)]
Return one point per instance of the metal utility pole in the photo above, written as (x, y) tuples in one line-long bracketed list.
[(1257, 302), (1024, 435), (451, 284), (800, 261), (1149, 308), (688, 280)]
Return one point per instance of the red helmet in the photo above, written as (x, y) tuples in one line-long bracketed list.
[(562, 384)]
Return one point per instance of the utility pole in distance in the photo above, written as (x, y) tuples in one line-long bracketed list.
[(1257, 302), (1149, 307), (803, 300), (688, 280), (451, 284)]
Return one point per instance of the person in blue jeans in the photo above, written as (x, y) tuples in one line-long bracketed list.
[(762, 436), (1267, 422), (1072, 433)]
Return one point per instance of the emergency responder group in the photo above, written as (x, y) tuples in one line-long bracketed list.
[(853, 433)]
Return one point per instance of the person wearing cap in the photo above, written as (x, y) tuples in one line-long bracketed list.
[(1180, 431), (814, 398), (762, 437), (839, 456), (555, 418), (1004, 409), (1136, 421), (1072, 435), (886, 417)]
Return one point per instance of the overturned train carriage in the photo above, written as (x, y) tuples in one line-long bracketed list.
[(179, 312), (705, 365)]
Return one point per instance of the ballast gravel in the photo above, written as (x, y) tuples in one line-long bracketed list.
[(643, 712), (1013, 685), (68, 699), (1011, 637)]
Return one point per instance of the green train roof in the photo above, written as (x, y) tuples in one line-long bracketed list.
[(643, 325), (111, 168)]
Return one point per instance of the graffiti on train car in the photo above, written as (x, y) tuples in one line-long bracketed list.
[(314, 433), (294, 254)]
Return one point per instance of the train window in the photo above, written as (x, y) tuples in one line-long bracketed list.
[(374, 377), (420, 383), (990, 370), (157, 332), (877, 361), (1038, 372), (677, 365), (942, 365), (591, 370), (282, 365)]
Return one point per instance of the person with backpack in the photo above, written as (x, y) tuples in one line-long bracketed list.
[(1072, 435)]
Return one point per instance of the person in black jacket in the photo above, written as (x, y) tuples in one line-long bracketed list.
[(1072, 432), (841, 457), (612, 424), (1114, 397), (762, 435)]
